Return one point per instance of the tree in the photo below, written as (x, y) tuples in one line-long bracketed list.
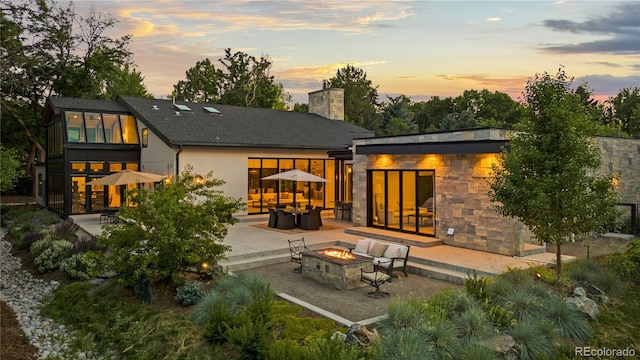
[(301, 107), (48, 50), (176, 226), (126, 81), (203, 84), (548, 177), (464, 120), (429, 114), (11, 169), (397, 117), (489, 109), (360, 97), (624, 110), (241, 80)]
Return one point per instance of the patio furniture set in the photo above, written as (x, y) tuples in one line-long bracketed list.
[(289, 218), (371, 263)]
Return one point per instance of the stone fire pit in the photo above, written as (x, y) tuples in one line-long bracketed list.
[(336, 267)]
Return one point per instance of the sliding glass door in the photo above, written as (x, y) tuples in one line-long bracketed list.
[(402, 200)]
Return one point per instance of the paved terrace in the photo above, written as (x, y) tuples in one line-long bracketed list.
[(254, 245)]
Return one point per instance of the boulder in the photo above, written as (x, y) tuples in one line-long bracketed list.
[(503, 344), (583, 303), (359, 334)]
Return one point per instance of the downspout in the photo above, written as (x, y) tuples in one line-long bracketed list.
[(178, 160)]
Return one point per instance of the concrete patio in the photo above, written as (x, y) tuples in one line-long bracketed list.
[(254, 247)]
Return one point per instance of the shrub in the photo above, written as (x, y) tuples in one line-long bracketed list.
[(499, 288), (476, 286), (571, 323), (27, 239), (79, 266), (627, 264), (66, 230), (478, 352), (524, 304), (238, 310), (472, 325), (437, 307), (87, 243), (442, 341), (404, 344), (404, 316), (50, 259), (532, 341), (584, 271), (189, 294)]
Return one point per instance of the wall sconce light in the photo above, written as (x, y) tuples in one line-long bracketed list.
[(615, 182)]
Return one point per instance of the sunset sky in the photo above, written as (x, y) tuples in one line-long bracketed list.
[(416, 48)]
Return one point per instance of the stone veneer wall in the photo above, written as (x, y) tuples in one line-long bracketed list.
[(461, 186), (328, 103), (622, 158), (462, 200)]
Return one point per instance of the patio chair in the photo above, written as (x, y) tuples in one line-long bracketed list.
[(310, 220), (285, 221), (337, 210), (320, 214), (346, 211), (374, 278), (296, 247), (273, 218)]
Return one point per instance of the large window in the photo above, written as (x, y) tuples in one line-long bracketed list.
[(263, 194), (402, 200), (100, 128)]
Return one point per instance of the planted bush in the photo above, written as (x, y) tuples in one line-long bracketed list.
[(51, 257), (189, 294), (80, 266)]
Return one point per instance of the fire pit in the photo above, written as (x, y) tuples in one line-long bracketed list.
[(336, 267)]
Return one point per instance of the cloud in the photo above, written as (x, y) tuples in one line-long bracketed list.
[(620, 27), (493, 19), (608, 85)]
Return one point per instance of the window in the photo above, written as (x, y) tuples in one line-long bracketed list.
[(93, 124), (145, 137), (129, 129), (75, 127), (112, 133)]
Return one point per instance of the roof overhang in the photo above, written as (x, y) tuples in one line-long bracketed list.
[(456, 147)]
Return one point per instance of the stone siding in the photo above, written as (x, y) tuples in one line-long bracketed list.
[(328, 103), (462, 187)]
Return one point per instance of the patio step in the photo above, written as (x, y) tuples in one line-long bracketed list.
[(447, 267), (453, 276), (532, 249), (397, 237)]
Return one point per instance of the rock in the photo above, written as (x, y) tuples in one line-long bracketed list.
[(583, 303), (359, 334), (97, 282), (338, 335), (503, 344)]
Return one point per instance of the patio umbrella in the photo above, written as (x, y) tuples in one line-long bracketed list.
[(127, 177), (295, 175)]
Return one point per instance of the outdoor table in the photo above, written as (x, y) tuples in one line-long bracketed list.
[(297, 212)]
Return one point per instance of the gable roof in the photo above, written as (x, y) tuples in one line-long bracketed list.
[(238, 126)]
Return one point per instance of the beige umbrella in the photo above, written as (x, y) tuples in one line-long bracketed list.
[(295, 175), (127, 177)]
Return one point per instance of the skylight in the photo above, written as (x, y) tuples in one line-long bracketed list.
[(182, 107), (211, 110)]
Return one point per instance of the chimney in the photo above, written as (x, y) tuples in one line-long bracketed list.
[(328, 102)]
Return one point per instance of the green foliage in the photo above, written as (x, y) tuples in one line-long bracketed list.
[(51, 257), (478, 352), (397, 117), (360, 97), (464, 120), (238, 310), (241, 80), (627, 264), (107, 321), (317, 349), (80, 266), (178, 225), (571, 323), (532, 341), (549, 178), (189, 293), (404, 344), (66, 230), (476, 286), (24, 222), (472, 325), (589, 274), (12, 168), (624, 111)]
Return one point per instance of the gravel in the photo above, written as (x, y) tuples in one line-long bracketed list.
[(24, 294)]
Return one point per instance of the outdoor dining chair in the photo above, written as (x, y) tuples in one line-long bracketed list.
[(285, 220), (310, 220), (273, 218), (296, 248), (374, 278)]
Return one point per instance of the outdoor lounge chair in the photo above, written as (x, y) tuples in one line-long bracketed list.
[(296, 247), (285, 220), (374, 278)]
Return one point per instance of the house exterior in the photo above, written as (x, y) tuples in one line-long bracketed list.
[(437, 185), (89, 139)]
